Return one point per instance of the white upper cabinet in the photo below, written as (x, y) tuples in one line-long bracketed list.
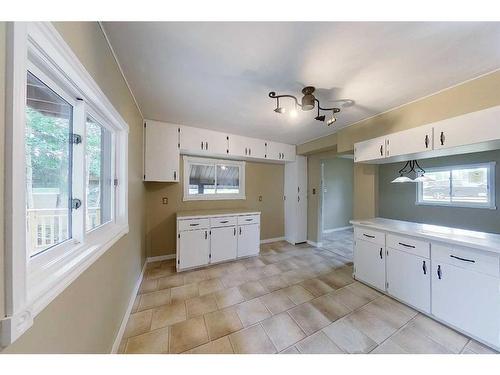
[(280, 151), (246, 147), (409, 141), (198, 141), (371, 149), (161, 152)]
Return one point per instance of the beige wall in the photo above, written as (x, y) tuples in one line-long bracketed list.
[(2, 164), (262, 179), (87, 315)]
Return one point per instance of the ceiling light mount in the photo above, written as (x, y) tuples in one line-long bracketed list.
[(307, 103)]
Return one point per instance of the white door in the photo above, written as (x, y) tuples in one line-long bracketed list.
[(369, 263), (468, 300), (371, 149), (161, 153), (409, 141), (194, 248), (301, 225), (223, 244), (408, 278), (248, 240)]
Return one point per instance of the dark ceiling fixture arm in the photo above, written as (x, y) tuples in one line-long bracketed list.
[(273, 95), (334, 109)]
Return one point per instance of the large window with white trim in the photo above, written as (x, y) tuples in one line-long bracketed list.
[(471, 185)]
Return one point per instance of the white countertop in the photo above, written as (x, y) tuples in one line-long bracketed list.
[(478, 240), (215, 213)]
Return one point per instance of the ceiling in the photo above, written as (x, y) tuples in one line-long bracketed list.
[(218, 75)]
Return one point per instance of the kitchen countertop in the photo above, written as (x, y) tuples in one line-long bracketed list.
[(462, 237), (218, 213)]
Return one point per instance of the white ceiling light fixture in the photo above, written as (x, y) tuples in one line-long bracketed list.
[(409, 168)]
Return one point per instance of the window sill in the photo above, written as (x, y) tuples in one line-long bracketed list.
[(214, 198), (431, 204)]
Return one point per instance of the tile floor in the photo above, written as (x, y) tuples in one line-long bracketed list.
[(290, 299), (340, 242)]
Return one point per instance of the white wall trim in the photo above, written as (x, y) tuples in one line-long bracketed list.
[(160, 258), (315, 244), (121, 331), (269, 240), (337, 229)]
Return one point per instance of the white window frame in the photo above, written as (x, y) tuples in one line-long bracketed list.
[(491, 205), (189, 160), (32, 283)]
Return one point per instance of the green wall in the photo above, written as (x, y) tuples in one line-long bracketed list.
[(397, 201)]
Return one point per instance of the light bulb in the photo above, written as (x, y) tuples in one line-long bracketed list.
[(293, 113), (401, 179)]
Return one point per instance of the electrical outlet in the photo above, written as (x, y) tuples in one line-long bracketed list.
[(260, 198), (164, 200)]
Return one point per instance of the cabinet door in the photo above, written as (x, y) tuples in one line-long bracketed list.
[(202, 141), (467, 300), (216, 142), (161, 153), (369, 263), (408, 279), (248, 240), (223, 244), (257, 148), (409, 141), (280, 151), (194, 248), (288, 152), (372, 149)]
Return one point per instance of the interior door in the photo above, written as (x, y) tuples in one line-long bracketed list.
[(369, 260), (408, 278), (194, 248), (224, 244), (301, 228), (248, 240), (161, 155), (467, 299)]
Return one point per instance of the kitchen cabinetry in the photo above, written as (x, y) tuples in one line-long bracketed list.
[(372, 149), (199, 241), (280, 151), (248, 240), (369, 263), (202, 141), (296, 200), (246, 147), (410, 141), (161, 152), (224, 244)]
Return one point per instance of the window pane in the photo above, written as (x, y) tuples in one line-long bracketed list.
[(437, 190), (48, 167), (99, 179), (228, 179), (470, 185), (201, 179)]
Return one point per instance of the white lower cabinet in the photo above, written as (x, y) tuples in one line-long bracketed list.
[(369, 263), (248, 240), (199, 243), (224, 244), (467, 300), (408, 278)]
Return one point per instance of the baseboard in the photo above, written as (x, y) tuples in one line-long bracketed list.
[(315, 244), (160, 258), (269, 240), (337, 229), (121, 331)]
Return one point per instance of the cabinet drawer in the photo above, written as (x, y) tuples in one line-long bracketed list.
[(466, 258), (217, 222), (409, 245), (248, 219), (370, 235), (191, 224)]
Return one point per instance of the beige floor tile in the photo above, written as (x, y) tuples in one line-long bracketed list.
[(349, 299), (234, 279), (223, 322), (277, 302), (309, 318), (316, 287), (148, 286), (138, 323), (330, 307), (121, 347), (253, 262), (171, 281), (414, 342), (254, 274), (216, 272), (337, 279), (188, 335), (252, 340), (220, 346), (293, 276), (363, 291), (156, 273), (270, 270), (200, 305), (251, 290), (228, 297), (195, 276), (135, 305), (154, 342), (319, 343), (478, 348), (251, 312), (282, 331), (209, 286), (438, 332), (286, 265), (348, 337), (182, 293), (298, 294), (168, 315), (154, 299), (273, 283), (290, 350), (390, 311), (388, 347), (376, 329)]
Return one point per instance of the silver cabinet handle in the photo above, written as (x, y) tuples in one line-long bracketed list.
[(234, 229), (206, 234), (368, 235), (224, 222), (406, 245), (426, 141), (194, 225)]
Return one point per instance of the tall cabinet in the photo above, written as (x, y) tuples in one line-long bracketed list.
[(296, 200)]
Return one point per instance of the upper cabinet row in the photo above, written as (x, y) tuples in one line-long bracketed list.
[(472, 132), (163, 144)]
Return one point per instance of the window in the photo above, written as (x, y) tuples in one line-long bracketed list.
[(459, 186), (206, 179)]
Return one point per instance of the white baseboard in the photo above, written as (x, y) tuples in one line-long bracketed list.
[(269, 240), (160, 258), (121, 331), (337, 229), (315, 244)]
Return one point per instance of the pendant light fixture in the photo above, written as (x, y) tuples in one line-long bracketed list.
[(410, 167), (307, 103)]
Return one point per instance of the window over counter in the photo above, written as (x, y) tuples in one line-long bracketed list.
[(211, 179), (470, 185)]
